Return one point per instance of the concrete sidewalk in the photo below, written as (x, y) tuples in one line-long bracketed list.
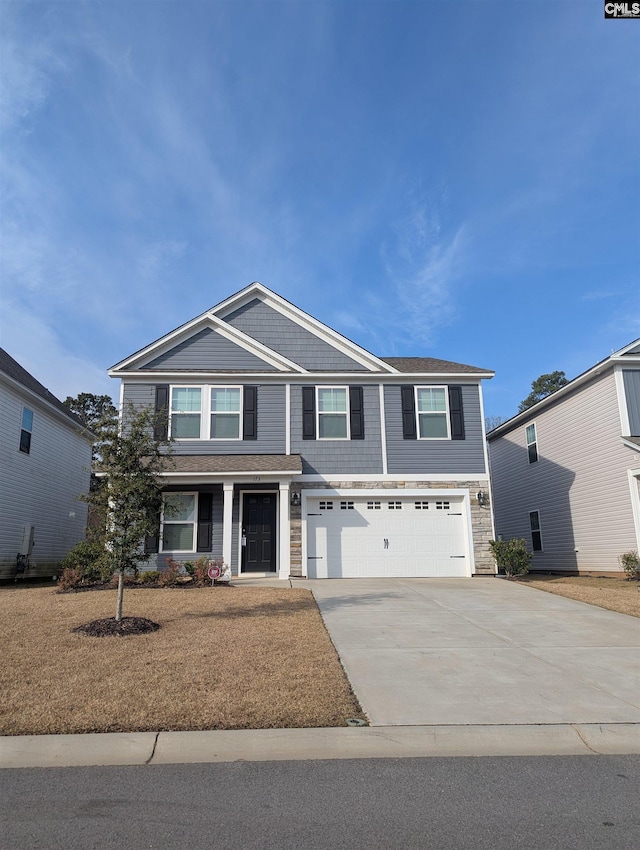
[(151, 748)]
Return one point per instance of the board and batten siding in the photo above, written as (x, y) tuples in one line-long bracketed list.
[(333, 457), (271, 422), (40, 488), (631, 380), (290, 339), (455, 457), (208, 350), (579, 484)]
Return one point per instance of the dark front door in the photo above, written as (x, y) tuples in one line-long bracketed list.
[(259, 533)]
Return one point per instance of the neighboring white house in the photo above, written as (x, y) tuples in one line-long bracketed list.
[(565, 473), (45, 464)]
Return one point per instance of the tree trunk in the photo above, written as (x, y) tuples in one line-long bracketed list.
[(120, 594)]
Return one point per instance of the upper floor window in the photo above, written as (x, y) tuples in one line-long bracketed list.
[(186, 409), (226, 406), (333, 419), (433, 413), (179, 522), (532, 443), (26, 430)]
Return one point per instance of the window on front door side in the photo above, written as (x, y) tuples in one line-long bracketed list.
[(186, 407), (226, 404), (333, 420), (432, 412), (179, 522)]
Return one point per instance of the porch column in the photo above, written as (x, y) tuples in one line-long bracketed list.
[(227, 525), (284, 565)]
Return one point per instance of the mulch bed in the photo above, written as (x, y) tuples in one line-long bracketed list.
[(110, 627)]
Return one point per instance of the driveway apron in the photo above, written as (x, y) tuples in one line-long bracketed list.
[(480, 651)]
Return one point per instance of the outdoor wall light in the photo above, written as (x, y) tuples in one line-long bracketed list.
[(482, 499), (295, 500)]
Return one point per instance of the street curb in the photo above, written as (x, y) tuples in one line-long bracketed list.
[(153, 748)]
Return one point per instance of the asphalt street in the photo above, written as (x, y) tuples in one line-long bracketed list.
[(541, 803)]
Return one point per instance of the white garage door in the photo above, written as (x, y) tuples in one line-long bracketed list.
[(364, 536)]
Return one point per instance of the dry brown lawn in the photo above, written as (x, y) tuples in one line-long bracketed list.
[(616, 594), (225, 658)]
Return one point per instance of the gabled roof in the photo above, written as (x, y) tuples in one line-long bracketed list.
[(19, 375), (214, 319), (628, 354)]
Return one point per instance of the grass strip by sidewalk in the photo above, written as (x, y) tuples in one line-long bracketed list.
[(615, 594), (225, 658)]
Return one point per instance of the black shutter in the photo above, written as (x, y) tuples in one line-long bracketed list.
[(456, 413), (408, 413), (250, 414), (308, 413), (204, 522), (356, 413), (152, 541), (161, 427)]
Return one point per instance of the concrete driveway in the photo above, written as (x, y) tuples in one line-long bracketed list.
[(480, 651)]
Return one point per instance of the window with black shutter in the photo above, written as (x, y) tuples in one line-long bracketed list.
[(161, 425), (408, 398), (356, 413), (250, 413), (308, 413)]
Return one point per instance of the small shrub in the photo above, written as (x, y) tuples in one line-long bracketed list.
[(511, 556), (69, 578), (200, 574), (86, 558), (630, 564), (150, 577), (169, 576)]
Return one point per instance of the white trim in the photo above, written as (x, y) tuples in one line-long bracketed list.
[(418, 412), (206, 320), (383, 430), (121, 400), (157, 376), (193, 523), (284, 532), (487, 466), (625, 425), (171, 411), (227, 524), (320, 413), (446, 493), (239, 413), (287, 414), (295, 314), (426, 476), (634, 483)]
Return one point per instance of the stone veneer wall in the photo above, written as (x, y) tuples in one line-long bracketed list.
[(480, 515)]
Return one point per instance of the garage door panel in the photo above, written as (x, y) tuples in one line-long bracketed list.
[(361, 537)]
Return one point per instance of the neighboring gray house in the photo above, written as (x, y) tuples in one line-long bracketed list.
[(565, 472), (45, 463), (296, 452)]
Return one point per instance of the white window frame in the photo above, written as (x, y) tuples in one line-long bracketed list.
[(210, 412), (191, 413), (346, 414), (444, 412), (533, 443), (168, 521), (24, 430)]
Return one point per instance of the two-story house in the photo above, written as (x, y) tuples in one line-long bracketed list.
[(299, 453), (565, 473), (45, 464)]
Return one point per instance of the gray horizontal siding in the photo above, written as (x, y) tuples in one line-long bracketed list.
[(631, 378), (41, 488), (271, 423), (443, 457), (208, 350), (579, 485), (288, 338), (336, 456)]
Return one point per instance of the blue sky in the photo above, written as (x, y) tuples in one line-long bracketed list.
[(456, 180)]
